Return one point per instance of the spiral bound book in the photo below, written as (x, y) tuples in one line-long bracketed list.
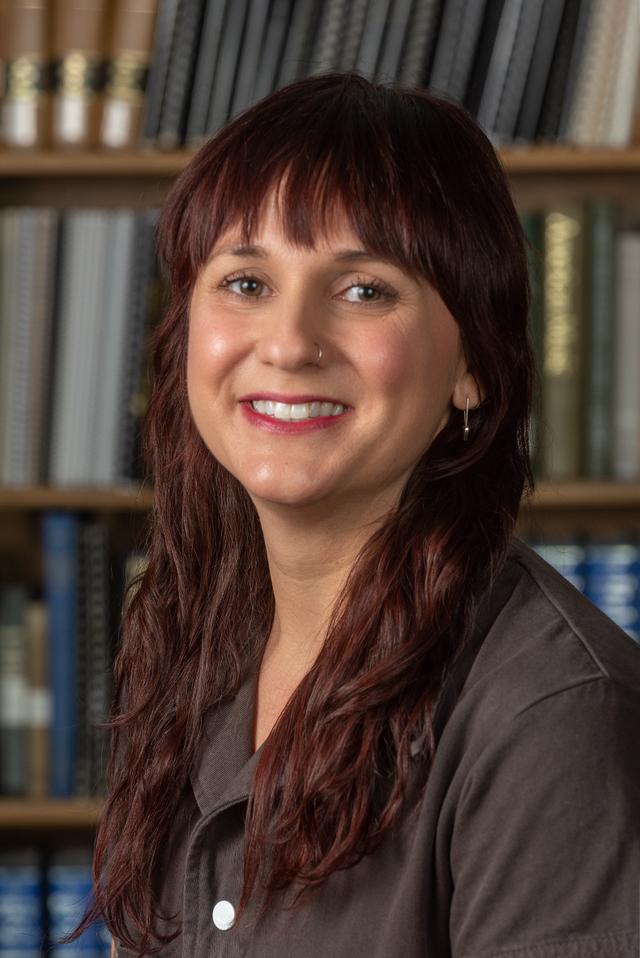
[(417, 56), (158, 71), (456, 46), (205, 68), (273, 48), (539, 69), (180, 73)]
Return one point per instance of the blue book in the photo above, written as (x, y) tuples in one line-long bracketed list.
[(21, 897), (613, 582), (59, 547), (69, 893)]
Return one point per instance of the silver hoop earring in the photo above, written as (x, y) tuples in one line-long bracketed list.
[(319, 353), (465, 434)]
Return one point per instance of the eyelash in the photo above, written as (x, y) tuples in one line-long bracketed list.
[(387, 293)]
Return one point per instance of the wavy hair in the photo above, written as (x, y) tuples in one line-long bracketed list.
[(421, 186)]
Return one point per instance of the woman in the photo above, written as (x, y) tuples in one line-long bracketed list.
[(355, 715)]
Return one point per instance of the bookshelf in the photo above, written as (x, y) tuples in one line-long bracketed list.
[(539, 175)]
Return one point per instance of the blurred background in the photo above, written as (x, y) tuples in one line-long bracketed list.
[(102, 103)]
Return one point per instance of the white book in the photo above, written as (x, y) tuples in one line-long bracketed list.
[(9, 255), (619, 118), (626, 425), (597, 73), (113, 340)]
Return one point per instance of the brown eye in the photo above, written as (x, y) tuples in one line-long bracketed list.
[(248, 286)]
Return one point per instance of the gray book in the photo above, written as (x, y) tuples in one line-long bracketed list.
[(273, 48), (158, 71), (503, 124), (226, 68), (394, 40), (205, 71), (299, 43), (253, 43), (109, 384), (326, 49), (180, 73), (420, 41), (456, 46), (538, 74), (372, 36)]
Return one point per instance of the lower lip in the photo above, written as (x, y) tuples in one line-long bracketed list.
[(270, 424)]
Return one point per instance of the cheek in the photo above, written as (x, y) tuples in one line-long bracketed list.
[(409, 361), (210, 351)]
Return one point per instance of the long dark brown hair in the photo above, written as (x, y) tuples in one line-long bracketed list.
[(421, 185)]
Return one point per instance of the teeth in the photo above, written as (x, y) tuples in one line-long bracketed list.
[(296, 411)]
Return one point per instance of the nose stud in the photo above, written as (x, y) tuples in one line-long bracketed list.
[(319, 353)]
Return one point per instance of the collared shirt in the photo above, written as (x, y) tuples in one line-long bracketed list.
[(526, 842)]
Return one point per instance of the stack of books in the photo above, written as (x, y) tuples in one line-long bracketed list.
[(170, 73)]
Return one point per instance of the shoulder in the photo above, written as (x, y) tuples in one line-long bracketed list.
[(546, 636), (546, 655)]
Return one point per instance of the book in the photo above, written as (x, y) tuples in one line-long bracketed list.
[(227, 65), (126, 72), (205, 66), (163, 33), (456, 46), (36, 625), (26, 102), (22, 897), (13, 690), (626, 420), (560, 432), (298, 46), (351, 34), (600, 329), (77, 45), (330, 35), (510, 78), (585, 122), (372, 38), (417, 55), (60, 583), (180, 72), (273, 48), (556, 87), (539, 70), (393, 41), (253, 43)]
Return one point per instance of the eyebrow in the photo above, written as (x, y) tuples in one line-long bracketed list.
[(260, 252)]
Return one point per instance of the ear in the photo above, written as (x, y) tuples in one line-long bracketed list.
[(467, 385)]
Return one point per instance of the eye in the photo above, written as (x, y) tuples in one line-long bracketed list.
[(248, 286), (371, 291)]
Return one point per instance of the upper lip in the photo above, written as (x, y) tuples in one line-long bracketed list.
[(291, 400)]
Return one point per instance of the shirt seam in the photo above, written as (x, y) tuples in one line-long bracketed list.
[(550, 942)]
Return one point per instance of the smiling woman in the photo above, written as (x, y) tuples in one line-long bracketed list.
[(354, 714)]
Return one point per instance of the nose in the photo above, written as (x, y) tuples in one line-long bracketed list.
[(288, 337)]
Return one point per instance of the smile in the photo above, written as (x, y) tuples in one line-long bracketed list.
[(296, 411)]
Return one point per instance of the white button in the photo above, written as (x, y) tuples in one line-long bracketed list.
[(224, 915)]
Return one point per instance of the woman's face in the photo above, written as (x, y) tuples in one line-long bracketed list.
[(391, 358)]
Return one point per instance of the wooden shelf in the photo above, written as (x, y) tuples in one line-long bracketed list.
[(155, 163), (77, 498), (548, 496), (49, 813)]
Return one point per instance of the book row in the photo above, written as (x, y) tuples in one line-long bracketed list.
[(57, 647), (585, 325), (81, 291), (42, 898), (165, 73)]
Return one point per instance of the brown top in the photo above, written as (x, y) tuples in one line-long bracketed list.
[(526, 843)]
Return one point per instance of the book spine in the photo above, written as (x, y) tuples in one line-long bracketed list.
[(600, 334), (539, 70), (626, 425), (127, 71), (13, 691), (25, 107), (533, 228), (59, 546), (180, 74), (561, 433), (22, 893), (416, 60), (39, 694), (78, 71), (205, 71), (618, 128)]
